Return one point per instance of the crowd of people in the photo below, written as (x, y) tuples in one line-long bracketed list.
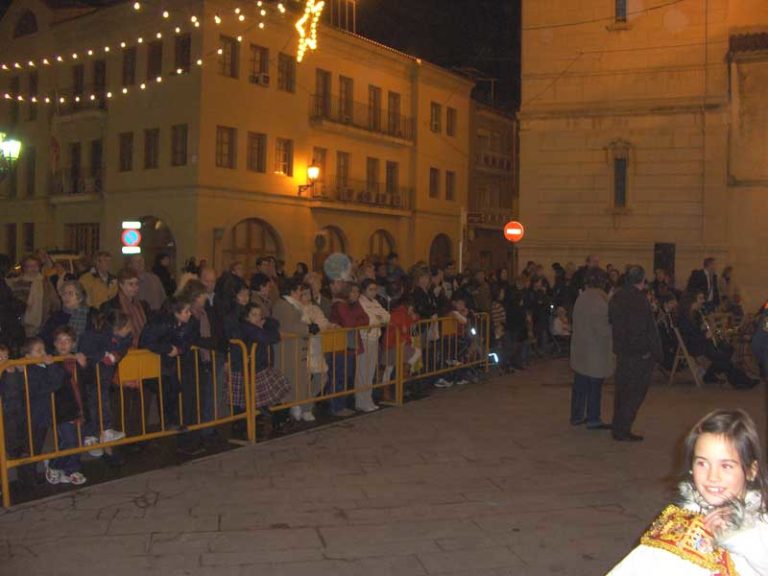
[(93, 320)]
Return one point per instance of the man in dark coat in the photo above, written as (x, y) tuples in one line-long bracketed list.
[(11, 311), (637, 346), (705, 281)]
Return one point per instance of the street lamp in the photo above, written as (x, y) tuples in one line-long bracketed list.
[(313, 173), (10, 150)]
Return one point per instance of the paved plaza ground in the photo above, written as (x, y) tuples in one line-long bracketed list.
[(484, 480)]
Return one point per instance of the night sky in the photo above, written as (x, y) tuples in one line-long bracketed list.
[(480, 34)]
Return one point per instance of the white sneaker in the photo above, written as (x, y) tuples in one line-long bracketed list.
[(111, 435), (90, 441), (369, 409), (76, 478), (462, 382), (296, 413), (308, 417), (52, 475), (443, 383)]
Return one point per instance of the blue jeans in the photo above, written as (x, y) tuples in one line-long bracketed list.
[(67, 439), (341, 377), (587, 392)]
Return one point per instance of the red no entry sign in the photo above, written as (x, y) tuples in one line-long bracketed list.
[(514, 231), (131, 238)]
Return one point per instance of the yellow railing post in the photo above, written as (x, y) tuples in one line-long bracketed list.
[(399, 370), (5, 485), (249, 383)]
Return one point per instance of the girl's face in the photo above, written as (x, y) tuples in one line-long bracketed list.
[(63, 345), (37, 350), (718, 473), (70, 298), (424, 281), (256, 317), (130, 287), (370, 292), (306, 296), (183, 315), (354, 295), (243, 297)]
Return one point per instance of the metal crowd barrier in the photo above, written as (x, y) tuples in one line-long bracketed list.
[(202, 391)]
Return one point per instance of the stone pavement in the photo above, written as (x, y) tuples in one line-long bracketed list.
[(486, 480)]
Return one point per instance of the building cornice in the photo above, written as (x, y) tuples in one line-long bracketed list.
[(625, 108)]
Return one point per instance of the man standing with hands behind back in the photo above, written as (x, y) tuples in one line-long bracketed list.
[(637, 346)]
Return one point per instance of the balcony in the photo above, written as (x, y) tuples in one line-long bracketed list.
[(75, 184), (495, 161), (89, 99), (494, 218), (359, 116), (364, 194)]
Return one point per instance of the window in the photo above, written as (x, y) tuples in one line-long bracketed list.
[(28, 237), (151, 148), (393, 114), (126, 152), (346, 97), (435, 117), (284, 156), (182, 53), (619, 156), (10, 242), (14, 87), (286, 73), (82, 238), (374, 108), (450, 121), (25, 25), (319, 156), (78, 80), (257, 152), (32, 109), (226, 146), (434, 183), (179, 145), (30, 164), (323, 89), (372, 175), (621, 10), (97, 158), (74, 184), (393, 178), (99, 76), (259, 65), (620, 182), (129, 66), (229, 57), (154, 59), (342, 169), (450, 185)]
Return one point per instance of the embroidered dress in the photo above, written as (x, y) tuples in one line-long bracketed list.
[(678, 543)]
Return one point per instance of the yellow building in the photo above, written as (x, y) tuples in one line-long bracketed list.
[(643, 134), (211, 145)]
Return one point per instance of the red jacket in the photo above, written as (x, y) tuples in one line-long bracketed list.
[(399, 322), (350, 316)]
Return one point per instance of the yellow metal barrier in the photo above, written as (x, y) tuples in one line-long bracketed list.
[(355, 361), (136, 374)]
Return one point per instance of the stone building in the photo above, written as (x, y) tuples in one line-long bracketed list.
[(644, 134), (211, 145)]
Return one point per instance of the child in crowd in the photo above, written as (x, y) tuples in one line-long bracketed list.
[(401, 320), (271, 385), (69, 408), (103, 346), (720, 524), (561, 326)]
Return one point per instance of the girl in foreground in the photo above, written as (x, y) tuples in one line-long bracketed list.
[(720, 525)]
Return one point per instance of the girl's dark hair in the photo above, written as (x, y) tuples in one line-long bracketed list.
[(117, 319), (176, 304), (737, 427), (367, 282), (29, 343)]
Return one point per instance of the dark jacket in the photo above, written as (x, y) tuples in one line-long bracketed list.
[(634, 329), (424, 303), (166, 279), (163, 333), (114, 304), (11, 313), (265, 338), (698, 283), (68, 398)]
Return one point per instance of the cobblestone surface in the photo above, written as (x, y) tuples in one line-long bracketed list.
[(486, 480)]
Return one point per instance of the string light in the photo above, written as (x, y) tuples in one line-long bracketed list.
[(217, 19), (137, 5), (308, 39)]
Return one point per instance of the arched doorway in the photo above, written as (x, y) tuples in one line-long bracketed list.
[(440, 253), (381, 244), (249, 240), (157, 238), (329, 240)]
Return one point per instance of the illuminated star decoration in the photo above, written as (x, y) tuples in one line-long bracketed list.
[(312, 12)]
